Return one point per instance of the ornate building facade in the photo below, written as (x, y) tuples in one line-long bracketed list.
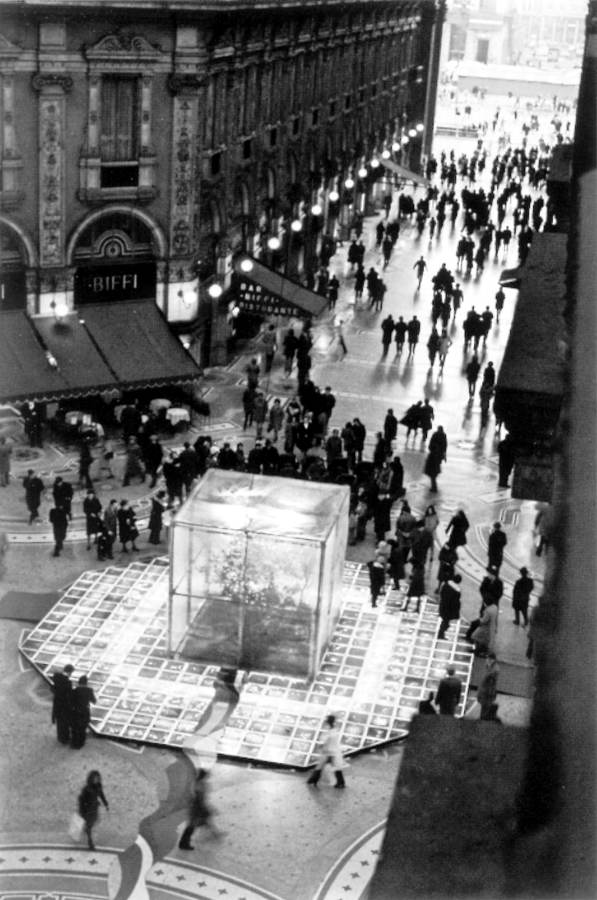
[(143, 146)]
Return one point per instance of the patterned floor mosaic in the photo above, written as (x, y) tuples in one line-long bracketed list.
[(379, 664)]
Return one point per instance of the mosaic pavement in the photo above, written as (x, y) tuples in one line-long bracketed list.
[(111, 624)]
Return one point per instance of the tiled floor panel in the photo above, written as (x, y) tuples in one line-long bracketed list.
[(379, 664)]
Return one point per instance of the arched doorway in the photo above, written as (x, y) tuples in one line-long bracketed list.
[(16, 257), (115, 254)]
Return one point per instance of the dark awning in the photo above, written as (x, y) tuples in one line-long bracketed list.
[(266, 292), (134, 339), (511, 277), (403, 173), (25, 372), (79, 361)]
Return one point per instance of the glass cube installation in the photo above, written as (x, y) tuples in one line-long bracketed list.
[(256, 571)]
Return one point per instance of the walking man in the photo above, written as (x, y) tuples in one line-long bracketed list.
[(495, 547), (472, 374), (331, 753), (34, 488), (59, 521), (62, 703), (200, 812), (448, 693), (521, 595), (413, 328), (420, 266)]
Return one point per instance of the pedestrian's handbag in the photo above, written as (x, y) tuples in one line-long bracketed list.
[(76, 826)]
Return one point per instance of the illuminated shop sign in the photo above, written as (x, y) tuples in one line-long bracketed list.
[(253, 298), (108, 283)]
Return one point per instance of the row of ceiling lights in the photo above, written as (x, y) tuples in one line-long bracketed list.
[(274, 243)]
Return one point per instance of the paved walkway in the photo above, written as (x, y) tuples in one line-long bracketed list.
[(306, 845)]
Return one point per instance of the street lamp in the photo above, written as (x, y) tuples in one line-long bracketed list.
[(404, 140), (349, 184), (385, 154), (395, 147), (412, 133), (316, 210), (215, 291), (273, 243), (296, 225), (420, 127), (362, 173), (246, 265), (334, 196), (374, 163)]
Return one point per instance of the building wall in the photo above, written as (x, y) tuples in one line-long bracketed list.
[(246, 119)]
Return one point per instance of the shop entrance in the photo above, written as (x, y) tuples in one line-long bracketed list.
[(13, 286), (115, 261)]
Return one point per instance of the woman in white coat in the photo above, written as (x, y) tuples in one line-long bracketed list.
[(331, 752)]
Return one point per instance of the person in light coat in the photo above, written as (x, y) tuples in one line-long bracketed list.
[(331, 752), (485, 633)]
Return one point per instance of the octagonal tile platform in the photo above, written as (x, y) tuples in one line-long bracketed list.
[(111, 624)]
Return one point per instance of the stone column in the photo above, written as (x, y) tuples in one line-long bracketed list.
[(52, 88)]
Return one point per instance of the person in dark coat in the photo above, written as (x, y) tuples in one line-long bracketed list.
[(495, 547), (472, 374), (397, 479), (85, 460), (377, 577), (381, 515), (438, 446), (458, 526), (360, 433), (447, 558), (152, 457), (110, 524), (62, 492), (200, 813), (412, 418), (158, 504), (59, 521), (82, 698), (492, 587), (127, 527), (92, 509), (172, 472), (506, 459), (62, 703), (521, 595), (188, 465), (416, 587), (448, 693), (390, 429), (449, 604), (380, 451), (34, 488), (89, 801), (487, 690), (387, 329)]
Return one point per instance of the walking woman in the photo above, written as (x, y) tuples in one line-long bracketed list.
[(89, 801), (431, 521)]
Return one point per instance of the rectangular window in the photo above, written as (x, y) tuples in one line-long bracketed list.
[(332, 108), (247, 148), (296, 126), (314, 117), (119, 133), (347, 102), (273, 137)]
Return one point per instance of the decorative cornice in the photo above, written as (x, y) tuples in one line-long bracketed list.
[(185, 81), (123, 47), (8, 50), (43, 80)]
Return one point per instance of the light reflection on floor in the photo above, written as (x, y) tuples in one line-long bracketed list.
[(379, 664)]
